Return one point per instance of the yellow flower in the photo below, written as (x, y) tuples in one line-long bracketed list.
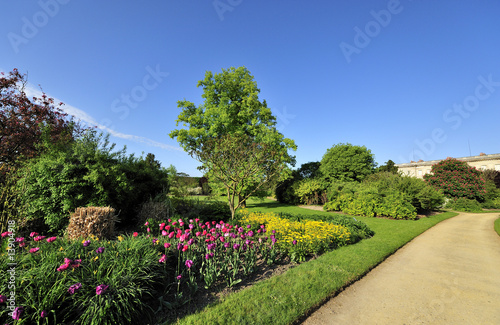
[(120, 238), (96, 258), (61, 249)]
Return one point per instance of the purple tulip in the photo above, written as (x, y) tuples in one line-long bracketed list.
[(189, 263), (100, 250), (73, 288)]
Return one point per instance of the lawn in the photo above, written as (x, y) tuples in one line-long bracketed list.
[(497, 226), (289, 297)]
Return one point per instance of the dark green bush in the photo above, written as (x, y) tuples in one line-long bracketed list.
[(87, 172), (192, 208), (310, 191)]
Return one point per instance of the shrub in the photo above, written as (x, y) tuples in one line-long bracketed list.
[(358, 229), (457, 179), (396, 206), (311, 191), (420, 194), (86, 173), (463, 204), (362, 204)]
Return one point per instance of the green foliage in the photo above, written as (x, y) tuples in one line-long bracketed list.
[(397, 206), (232, 113), (8, 196), (286, 190), (192, 208), (457, 179), (420, 194), (389, 166), (130, 268), (346, 162), (86, 173), (310, 191), (384, 194), (463, 204)]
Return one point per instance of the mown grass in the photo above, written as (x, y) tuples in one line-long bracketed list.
[(287, 298), (497, 226)]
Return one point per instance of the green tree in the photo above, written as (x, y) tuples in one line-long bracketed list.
[(239, 163), (231, 107), (346, 162), (389, 166)]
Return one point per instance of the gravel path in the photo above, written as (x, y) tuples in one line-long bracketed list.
[(447, 275)]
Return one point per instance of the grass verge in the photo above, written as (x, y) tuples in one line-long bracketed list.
[(286, 298), (497, 226)]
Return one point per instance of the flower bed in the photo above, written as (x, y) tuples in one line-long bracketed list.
[(298, 239), (130, 279)]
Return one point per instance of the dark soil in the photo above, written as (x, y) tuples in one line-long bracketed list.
[(204, 297)]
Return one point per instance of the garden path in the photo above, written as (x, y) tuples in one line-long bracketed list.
[(447, 275)]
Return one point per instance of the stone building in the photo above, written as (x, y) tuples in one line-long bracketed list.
[(420, 168)]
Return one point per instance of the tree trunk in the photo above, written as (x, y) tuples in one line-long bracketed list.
[(241, 201)]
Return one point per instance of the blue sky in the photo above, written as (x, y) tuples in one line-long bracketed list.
[(407, 79)]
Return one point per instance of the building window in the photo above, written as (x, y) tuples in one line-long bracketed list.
[(497, 167), (419, 173), (483, 167)]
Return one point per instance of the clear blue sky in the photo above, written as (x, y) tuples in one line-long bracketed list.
[(407, 79)]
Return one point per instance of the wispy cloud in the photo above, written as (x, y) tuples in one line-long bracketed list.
[(90, 121)]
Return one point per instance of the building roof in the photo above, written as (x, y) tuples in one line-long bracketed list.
[(481, 157)]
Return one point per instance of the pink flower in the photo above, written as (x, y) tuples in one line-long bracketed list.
[(135, 234), (51, 239), (100, 289), (164, 233), (33, 234), (189, 263), (73, 288), (163, 259), (185, 248), (2, 299), (34, 250), (7, 233), (167, 245), (18, 312), (38, 238), (146, 224), (43, 314), (148, 230)]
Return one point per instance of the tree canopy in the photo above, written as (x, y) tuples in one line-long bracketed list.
[(457, 179), (23, 121), (346, 162), (231, 109)]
